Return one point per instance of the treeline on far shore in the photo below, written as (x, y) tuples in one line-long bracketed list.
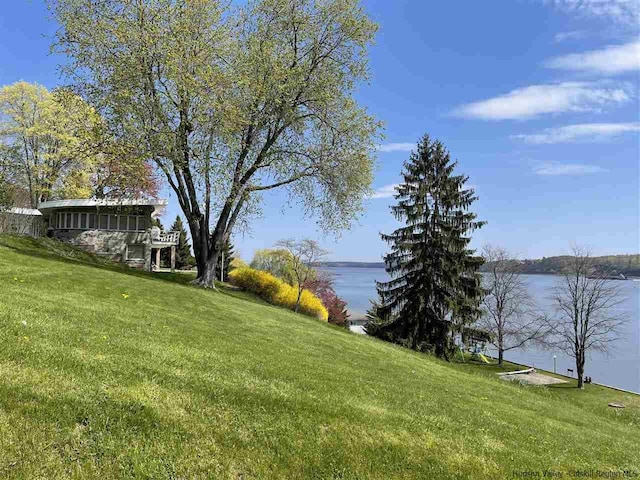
[(614, 265)]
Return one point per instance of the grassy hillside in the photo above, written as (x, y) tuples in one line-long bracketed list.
[(178, 382)]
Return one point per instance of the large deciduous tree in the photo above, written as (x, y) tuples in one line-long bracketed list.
[(42, 134), (509, 313), (54, 145), (232, 102), (587, 315), (434, 289)]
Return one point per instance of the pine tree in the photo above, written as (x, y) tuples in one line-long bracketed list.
[(183, 249), (224, 267), (434, 288)]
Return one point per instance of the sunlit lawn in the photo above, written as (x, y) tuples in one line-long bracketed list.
[(178, 382)]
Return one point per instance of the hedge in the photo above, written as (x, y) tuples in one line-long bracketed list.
[(277, 292)]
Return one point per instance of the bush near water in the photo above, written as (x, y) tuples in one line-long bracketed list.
[(277, 292)]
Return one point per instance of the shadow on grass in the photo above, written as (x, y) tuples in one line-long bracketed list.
[(54, 250)]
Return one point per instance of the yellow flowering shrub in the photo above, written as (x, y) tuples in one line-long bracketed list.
[(277, 292)]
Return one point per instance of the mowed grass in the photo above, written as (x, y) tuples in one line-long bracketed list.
[(179, 382)]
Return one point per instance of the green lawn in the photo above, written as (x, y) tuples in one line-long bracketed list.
[(179, 382)]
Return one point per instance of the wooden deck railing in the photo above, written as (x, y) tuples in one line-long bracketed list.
[(167, 237)]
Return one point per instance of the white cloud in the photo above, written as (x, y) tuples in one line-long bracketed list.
[(612, 59), (572, 35), (396, 147), (553, 168), (590, 132), (618, 11), (535, 100), (386, 191)]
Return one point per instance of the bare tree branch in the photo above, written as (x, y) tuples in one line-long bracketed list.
[(510, 314), (587, 317)]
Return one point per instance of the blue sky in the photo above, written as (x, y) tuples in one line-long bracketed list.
[(537, 100)]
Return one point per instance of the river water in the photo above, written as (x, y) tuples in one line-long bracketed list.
[(619, 367)]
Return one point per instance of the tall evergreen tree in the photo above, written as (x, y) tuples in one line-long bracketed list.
[(183, 249), (224, 261), (434, 288)]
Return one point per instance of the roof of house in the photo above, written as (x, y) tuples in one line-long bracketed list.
[(158, 204), (23, 211)]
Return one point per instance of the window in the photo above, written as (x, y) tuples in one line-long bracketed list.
[(90, 221), (135, 252)]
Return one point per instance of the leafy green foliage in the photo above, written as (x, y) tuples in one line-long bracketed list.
[(304, 254), (6, 199), (54, 145), (276, 261), (434, 288), (232, 101)]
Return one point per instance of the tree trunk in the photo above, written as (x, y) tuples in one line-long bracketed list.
[(500, 356), (206, 256), (580, 369), (199, 238), (298, 300), (206, 276)]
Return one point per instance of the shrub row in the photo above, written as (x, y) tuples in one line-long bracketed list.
[(277, 292)]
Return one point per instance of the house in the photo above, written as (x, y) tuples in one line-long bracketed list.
[(121, 230), (21, 221)]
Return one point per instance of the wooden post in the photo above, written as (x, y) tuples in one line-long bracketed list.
[(173, 258), (157, 258), (222, 268)]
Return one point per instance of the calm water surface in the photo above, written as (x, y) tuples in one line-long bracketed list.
[(620, 367)]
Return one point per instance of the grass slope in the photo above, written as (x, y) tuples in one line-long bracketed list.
[(178, 382)]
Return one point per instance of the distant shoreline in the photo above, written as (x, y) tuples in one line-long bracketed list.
[(350, 264), (614, 270)]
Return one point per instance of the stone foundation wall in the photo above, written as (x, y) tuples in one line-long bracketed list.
[(112, 244)]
